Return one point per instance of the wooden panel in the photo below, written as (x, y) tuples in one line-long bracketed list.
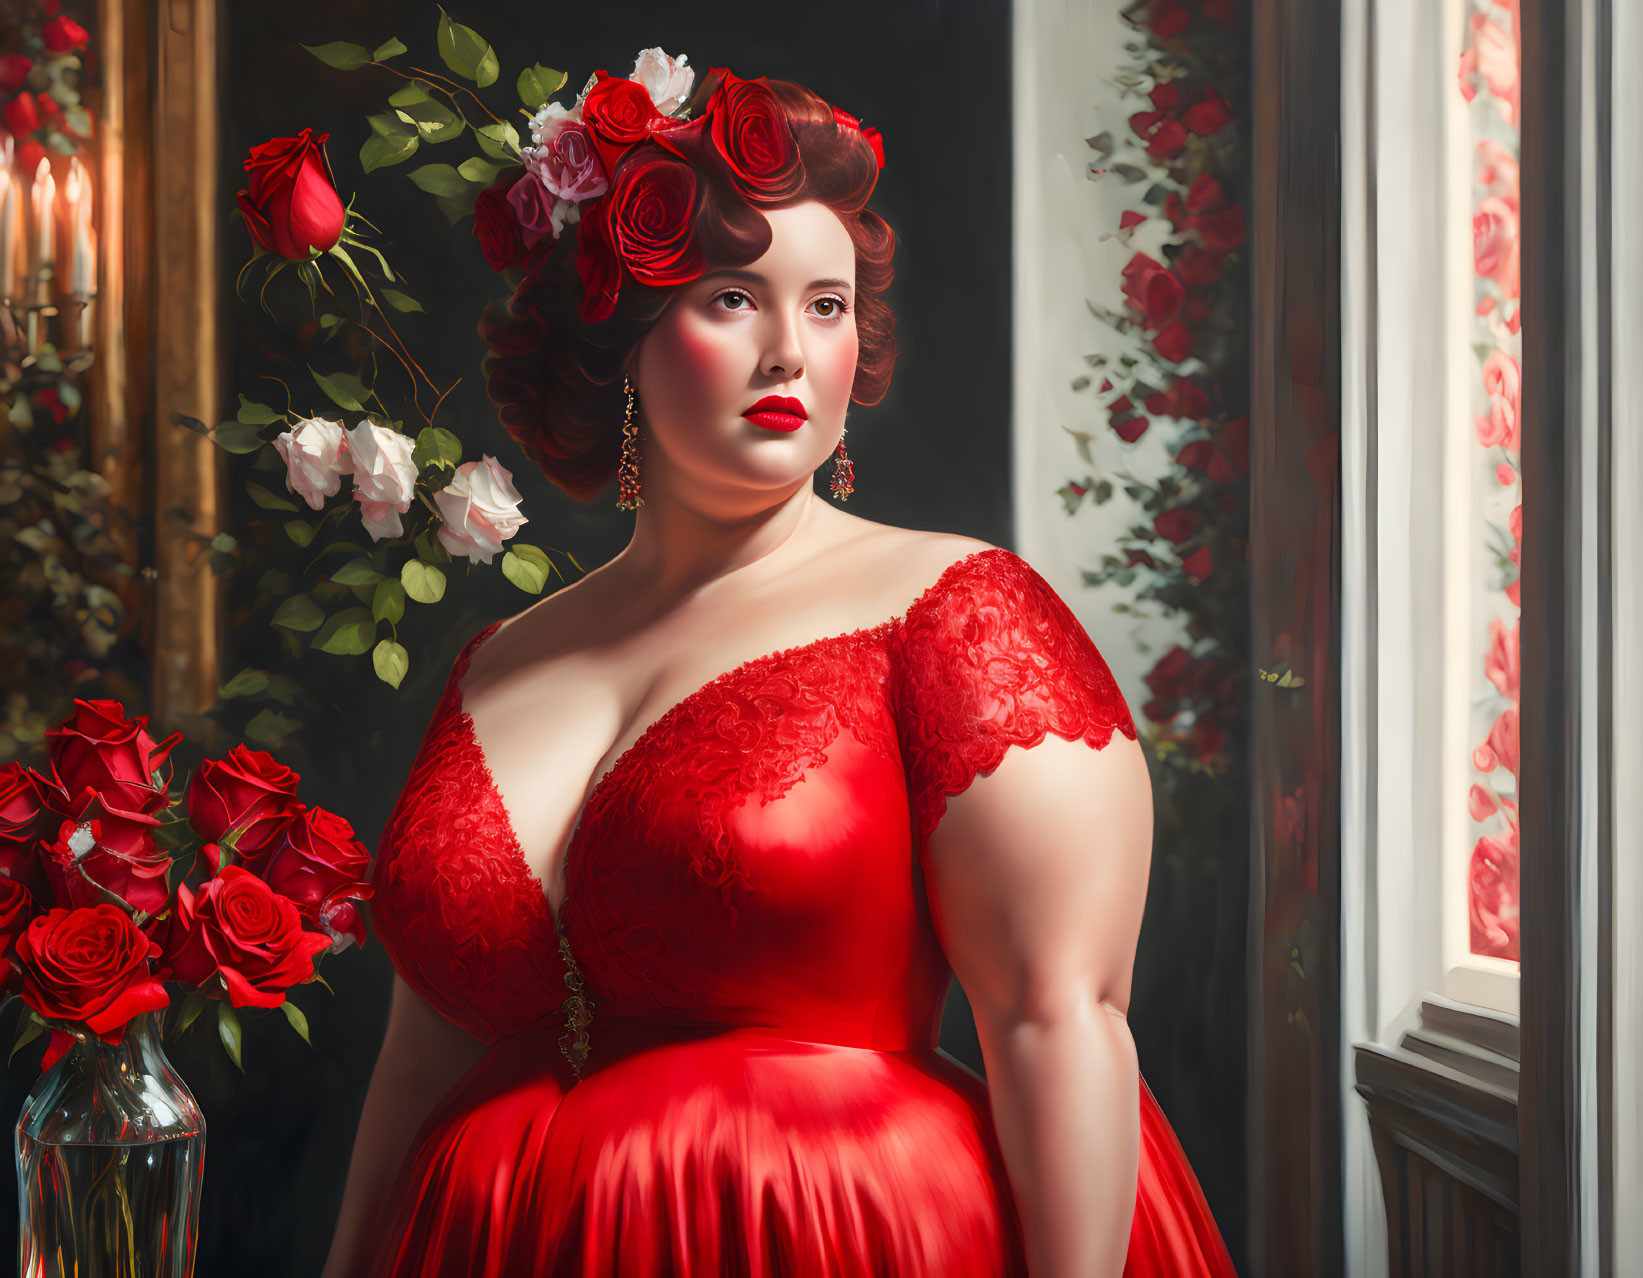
[(1294, 560), (1553, 499), (186, 361)]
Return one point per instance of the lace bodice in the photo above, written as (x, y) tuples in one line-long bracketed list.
[(755, 858)]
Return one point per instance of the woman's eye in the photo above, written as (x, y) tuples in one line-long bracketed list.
[(839, 308), (723, 296)]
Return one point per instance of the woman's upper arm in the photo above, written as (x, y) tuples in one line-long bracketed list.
[(1037, 878), (1031, 800), (419, 1038)]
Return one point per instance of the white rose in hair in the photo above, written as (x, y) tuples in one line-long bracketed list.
[(384, 477), (666, 79), (315, 459), (480, 507)]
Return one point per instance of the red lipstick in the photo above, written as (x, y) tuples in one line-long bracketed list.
[(777, 412)]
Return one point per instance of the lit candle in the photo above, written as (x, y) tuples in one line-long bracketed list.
[(44, 196), (78, 192), (8, 228)]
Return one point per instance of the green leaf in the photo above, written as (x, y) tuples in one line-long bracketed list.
[(527, 567), (255, 414), (193, 1004), (228, 1022), (528, 576), (390, 124), (299, 531), (476, 168), (422, 582), (329, 320), (245, 683), (237, 437), (439, 179), (29, 1028), (433, 121), (379, 151), (391, 662), (466, 52), (299, 1022), (389, 48), (388, 603), (436, 446), (224, 542), (500, 141), (430, 549), (299, 612), (347, 633), (399, 301), (457, 207), (266, 499), (356, 572), (270, 728), (274, 581), (336, 386), (539, 83), (411, 93), (344, 57)]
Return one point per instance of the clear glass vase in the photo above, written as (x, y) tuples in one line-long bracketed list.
[(110, 1156)]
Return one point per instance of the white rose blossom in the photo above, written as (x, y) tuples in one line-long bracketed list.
[(667, 80), (315, 459), (480, 507), (384, 477)]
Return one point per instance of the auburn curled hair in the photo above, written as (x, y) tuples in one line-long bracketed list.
[(556, 379)]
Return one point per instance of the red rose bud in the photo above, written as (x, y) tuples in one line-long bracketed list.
[(318, 858), (21, 117), (14, 71), (89, 965), (1209, 114), (341, 920), (243, 930), (100, 750), (1174, 342), (1150, 288), (248, 793), (63, 34), (291, 207)]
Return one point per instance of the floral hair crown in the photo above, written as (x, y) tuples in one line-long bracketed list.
[(642, 226)]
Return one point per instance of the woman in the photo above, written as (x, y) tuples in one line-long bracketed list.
[(692, 847)]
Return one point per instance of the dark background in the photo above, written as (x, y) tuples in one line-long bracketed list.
[(934, 454)]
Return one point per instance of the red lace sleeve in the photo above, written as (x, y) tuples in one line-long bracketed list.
[(995, 658)]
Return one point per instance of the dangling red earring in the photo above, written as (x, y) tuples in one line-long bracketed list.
[(844, 472)]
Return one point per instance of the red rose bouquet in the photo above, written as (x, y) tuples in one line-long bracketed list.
[(108, 893)]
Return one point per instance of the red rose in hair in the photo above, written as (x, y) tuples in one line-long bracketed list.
[(291, 206), (91, 965), (246, 790), (495, 226), (646, 223), (237, 925), (99, 749), (874, 139), (751, 135), (318, 863), (619, 114)]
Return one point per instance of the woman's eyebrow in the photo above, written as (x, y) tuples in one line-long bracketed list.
[(753, 277)]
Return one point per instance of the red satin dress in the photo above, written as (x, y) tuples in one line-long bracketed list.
[(725, 1066)]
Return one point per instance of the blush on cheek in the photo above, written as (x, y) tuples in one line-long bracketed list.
[(703, 368), (835, 373)]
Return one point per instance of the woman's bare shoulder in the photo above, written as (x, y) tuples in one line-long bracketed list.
[(913, 558)]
